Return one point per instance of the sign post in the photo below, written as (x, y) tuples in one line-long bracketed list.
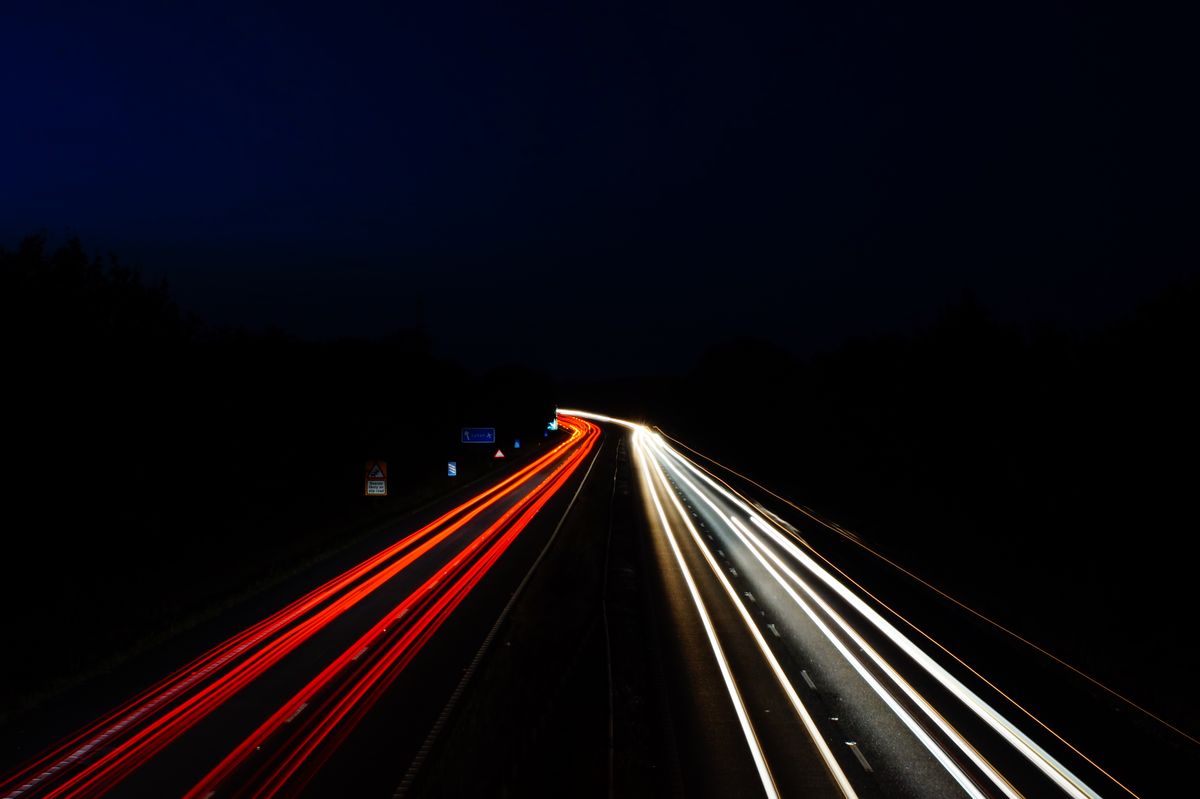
[(376, 479)]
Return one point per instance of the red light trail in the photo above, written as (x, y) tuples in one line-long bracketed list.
[(309, 727)]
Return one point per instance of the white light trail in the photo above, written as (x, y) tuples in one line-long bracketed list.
[(905, 717), (760, 762), (1034, 753), (652, 445), (810, 726)]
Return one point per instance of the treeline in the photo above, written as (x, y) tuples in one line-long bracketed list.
[(154, 466)]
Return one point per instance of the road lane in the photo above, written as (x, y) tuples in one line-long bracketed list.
[(748, 700)]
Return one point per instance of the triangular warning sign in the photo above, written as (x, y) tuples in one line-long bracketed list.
[(376, 473), (498, 454)]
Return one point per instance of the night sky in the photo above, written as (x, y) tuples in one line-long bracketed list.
[(601, 188)]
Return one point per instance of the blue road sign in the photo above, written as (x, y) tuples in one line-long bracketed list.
[(517, 444), (452, 469), (479, 435)]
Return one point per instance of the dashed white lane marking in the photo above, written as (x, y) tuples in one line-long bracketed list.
[(858, 754), (771, 627), (749, 596), (298, 710), (808, 680)]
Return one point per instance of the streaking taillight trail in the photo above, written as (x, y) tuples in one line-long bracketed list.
[(101, 755), (347, 689)]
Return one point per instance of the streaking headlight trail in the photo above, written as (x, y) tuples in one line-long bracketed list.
[(982, 752)]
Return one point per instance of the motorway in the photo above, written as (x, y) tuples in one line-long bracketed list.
[(796, 681), (278, 708), (780, 673)]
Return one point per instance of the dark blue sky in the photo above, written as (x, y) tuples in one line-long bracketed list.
[(612, 184)]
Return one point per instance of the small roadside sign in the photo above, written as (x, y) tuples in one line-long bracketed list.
[(498, 454), (376, 479), (452, 469), (479, 435), (517, 444)]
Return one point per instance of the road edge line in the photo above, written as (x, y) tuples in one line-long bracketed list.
[(443, 718)]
